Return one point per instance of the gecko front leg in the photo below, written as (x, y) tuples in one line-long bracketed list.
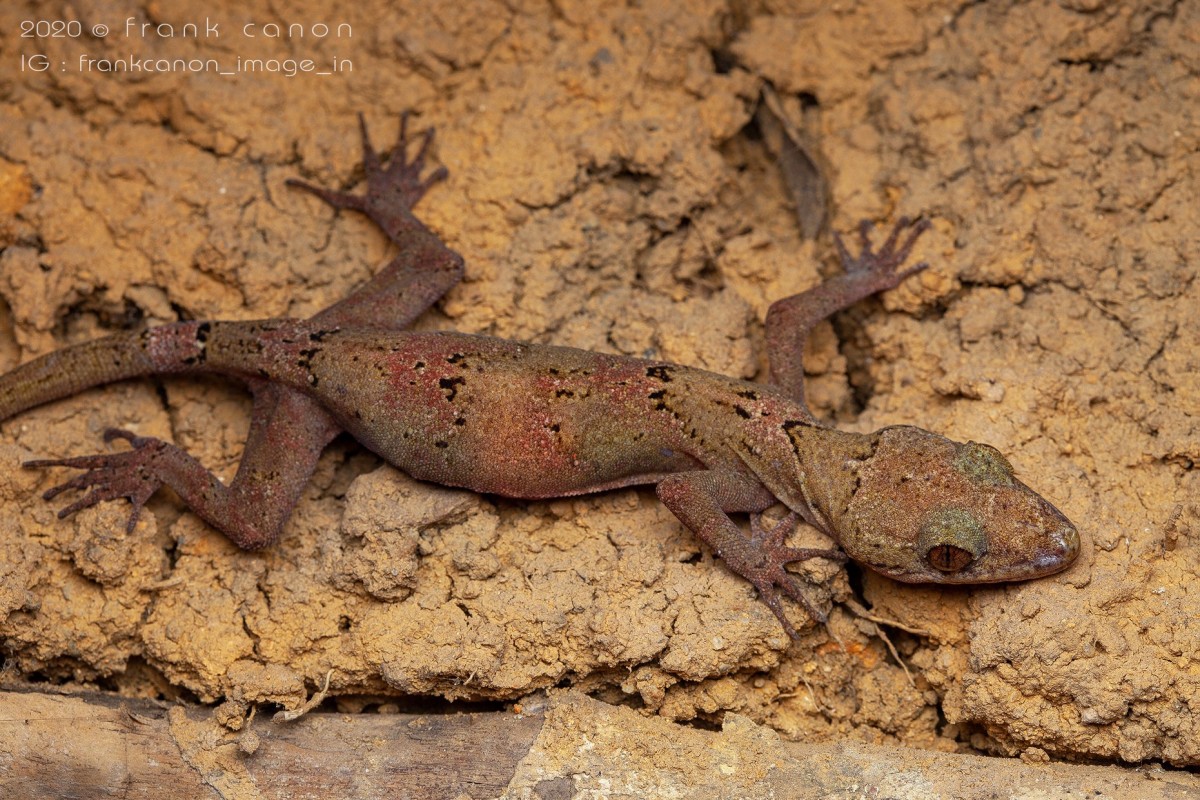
[(790, 320), (701, 500)]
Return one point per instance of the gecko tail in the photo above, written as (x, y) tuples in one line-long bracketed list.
[(167, 349)]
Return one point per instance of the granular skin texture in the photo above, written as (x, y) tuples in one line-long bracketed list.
[(606, 193)]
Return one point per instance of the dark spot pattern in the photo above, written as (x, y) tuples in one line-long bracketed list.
[(450, 386), (306, 357), (660, 372), (318, 336), (305, 363)]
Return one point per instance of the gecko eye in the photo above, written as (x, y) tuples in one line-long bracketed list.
[(948, 558), (952, 539)]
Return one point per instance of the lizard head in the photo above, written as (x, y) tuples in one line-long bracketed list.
[(929, 509)]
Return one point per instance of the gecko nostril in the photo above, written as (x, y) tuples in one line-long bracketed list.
[(1068, 536), (1060, 550)]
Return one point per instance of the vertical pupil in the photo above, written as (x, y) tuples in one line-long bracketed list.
[(948, 558)]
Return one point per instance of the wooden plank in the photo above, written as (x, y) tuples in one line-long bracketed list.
[(93, 746)]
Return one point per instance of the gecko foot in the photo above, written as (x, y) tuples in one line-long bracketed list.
[(110, 476), (769, 576), (392, 187), (880, 268)]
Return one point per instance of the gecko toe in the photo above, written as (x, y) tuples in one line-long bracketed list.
[(791, 587), (370, 157), (770, 596), (772, 538), (128, 474), (789, 554), (437, 176), (399, 158), (82, 481), (865, 226), (120, 433), (90, 499), (889, 251), (889, 244), (335, 199)]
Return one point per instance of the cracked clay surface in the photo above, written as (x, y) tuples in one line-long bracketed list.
[(608, 191)]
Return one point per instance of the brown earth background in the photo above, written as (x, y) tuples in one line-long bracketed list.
[(609, 190)]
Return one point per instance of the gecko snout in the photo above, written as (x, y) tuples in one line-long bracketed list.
[(1061, 549)]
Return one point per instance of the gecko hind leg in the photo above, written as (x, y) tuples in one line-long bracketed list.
[(288, 431)]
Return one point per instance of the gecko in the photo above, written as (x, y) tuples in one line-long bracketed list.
[(535, 421)]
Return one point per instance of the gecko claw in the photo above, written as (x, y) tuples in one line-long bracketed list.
[(109, 476)]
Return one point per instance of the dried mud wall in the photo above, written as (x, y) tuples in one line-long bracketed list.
[(608, 189)]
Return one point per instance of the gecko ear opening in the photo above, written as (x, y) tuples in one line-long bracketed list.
[(952, 539)]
